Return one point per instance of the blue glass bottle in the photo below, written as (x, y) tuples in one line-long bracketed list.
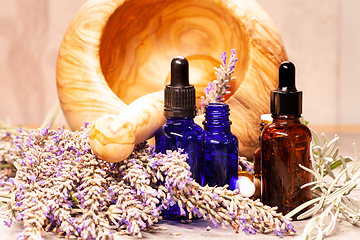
[(221, 147), (184, 133), (180, 131)]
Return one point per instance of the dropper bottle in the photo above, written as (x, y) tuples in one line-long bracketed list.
[(285, 144), (180, 131)]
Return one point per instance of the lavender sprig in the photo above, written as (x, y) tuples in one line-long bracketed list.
[(217, 89)]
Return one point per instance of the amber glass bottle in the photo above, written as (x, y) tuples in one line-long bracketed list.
[(285, 143)]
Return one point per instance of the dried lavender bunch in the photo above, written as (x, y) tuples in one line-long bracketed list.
[(217, 89), (61, 186), (220, 205), (51, 166), (330, 197)]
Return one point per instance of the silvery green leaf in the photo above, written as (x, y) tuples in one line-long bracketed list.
[(317, 150), (310, 183), (331, 225), (335, 153), (310, 212), (356, 158), (303, 206), (329, 147), (320, 233), (340, 175), (328, 170), (344, 165), (315, 137), (349, 204), (325, 139), (310, 170)]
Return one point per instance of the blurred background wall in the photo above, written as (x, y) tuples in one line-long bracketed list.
[(321, 37)]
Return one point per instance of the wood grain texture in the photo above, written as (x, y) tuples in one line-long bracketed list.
[(113, 137), (117, 51)]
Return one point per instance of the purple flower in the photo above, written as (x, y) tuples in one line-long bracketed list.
[(181, 185), (169, 154), (277, 231), (249, 230), (215, 196), (21, 186), (44, 131), (215, 223), (182, 211), (71, 220), (20, 130), (245, 230), (233, 60), (210, 87), (56, 138), (20, 216), (242, 219), (60, 131), (171, 202), (11, 181), (31, 159), (8, 222), (232, 66), (86, 124), (32, 177), (22, 161), (19, 195), (289, 226), (223, 57)]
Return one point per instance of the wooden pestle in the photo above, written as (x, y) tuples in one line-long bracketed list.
[(113, 137)]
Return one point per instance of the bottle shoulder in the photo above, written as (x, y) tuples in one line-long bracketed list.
[(183, 127), (220, 137), (284, 129)]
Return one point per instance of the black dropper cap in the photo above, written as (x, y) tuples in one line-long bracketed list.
[(179, 95), (286, 99)]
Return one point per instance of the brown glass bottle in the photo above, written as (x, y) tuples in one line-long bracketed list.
[(285, 143)]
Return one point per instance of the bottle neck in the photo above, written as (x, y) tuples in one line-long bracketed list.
[(217, 117), (286, 118)]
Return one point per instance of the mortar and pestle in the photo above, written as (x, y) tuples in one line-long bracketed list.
[(113, 64)]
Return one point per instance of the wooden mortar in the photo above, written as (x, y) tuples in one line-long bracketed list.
[(117, 51)]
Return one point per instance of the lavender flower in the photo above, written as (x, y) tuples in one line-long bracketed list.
[(216, 90)]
